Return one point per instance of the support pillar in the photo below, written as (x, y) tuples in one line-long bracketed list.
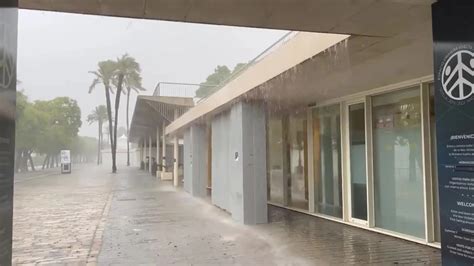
[(158, 155), (176, 154), (163, 152), (195, 167), (144, 153), (8, 50), (247, 169), (176, 161), (150, 146), (141, 152)]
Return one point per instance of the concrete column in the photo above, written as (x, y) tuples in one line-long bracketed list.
[(221, 158), (150, 146), (176, 154), (158, 154), (141, 151), (176, 161), (248, 175), (187, 160), (239, 171), (163, 152), (285, 126), (195, 152), (144, 152)]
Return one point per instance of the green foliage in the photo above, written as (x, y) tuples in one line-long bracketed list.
[(104, 75), (30, 124), (62, 125), (123, 75), (84, 148), (47, 126), (98, 115), (220, 75)]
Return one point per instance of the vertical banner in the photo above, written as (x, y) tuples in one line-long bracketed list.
[(453, 34), (8, 50)]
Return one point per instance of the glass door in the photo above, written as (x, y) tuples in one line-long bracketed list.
[(357, 163)]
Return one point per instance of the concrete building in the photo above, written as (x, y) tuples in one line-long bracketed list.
[(337, 126), (158, 154), (328, 125)]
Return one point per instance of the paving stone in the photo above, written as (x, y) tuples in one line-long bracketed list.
[(92, 217)]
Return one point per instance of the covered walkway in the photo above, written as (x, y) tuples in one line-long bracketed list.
[(132, 218), (150, 221)]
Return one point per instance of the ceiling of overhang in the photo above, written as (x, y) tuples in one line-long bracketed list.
[(355, 17), (151, 111)]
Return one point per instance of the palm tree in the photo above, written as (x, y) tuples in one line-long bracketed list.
[(127, 73), (99, 115), (105, 75), (132, 82)]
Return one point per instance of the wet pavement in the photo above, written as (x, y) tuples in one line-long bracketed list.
[(93, 217)]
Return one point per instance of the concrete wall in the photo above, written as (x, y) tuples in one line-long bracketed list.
[(221, 157), (195, 160), (239, 163), (187, 154)]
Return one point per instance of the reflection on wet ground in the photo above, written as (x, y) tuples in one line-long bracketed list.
[(131, 218)]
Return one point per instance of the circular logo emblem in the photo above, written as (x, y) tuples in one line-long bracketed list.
[(7, 66), (457, 76)]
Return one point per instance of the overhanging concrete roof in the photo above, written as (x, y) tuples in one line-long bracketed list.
[(361, 17), (295, 51), (152, 111), (313, 68)]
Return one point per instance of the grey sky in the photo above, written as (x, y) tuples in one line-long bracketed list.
[(56, 51)]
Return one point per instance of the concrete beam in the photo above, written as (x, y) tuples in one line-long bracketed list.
[(297, 50), (355, 17)]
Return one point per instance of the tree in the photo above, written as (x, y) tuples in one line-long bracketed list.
[(105, 75), (128, 74), (132, 82), (83, 149), (220, 75), (45, 127), (63, 120), (30, 127), (99, 115), (239, 67)]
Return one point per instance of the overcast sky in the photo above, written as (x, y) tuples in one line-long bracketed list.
[(56, 51)]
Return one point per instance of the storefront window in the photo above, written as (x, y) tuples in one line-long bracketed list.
[(327, 160), (297, 136), (357, 161), (275, 160), (287, 160), (398, 180)]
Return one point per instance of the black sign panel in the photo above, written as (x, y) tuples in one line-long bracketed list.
[(453, 34), (8, 50)]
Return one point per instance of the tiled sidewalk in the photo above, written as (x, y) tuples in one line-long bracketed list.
[(152, 223), (132, 219)]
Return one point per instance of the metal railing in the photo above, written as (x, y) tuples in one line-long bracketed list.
[(252, 62), (183, 89)]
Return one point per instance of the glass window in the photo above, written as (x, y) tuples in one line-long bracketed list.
[(275, 160), (398, 180), (357, 161), (327, 160), (297, 149)]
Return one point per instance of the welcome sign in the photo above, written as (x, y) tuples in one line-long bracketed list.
[(453, 34)]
